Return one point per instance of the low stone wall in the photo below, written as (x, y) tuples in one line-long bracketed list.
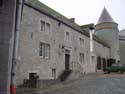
[(39, 83), (44, 83), (47, 82)]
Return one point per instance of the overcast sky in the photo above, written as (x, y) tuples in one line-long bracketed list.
[(88, 11)]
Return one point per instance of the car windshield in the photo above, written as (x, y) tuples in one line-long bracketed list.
[(120, 65), (114, 65)]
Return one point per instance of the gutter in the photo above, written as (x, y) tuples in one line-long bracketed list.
[(18, 16)]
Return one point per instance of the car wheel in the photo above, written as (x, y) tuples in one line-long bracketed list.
[(121, 72), (108, 72)]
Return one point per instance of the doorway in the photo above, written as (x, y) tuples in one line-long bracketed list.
[(104, 63), (99, 63), (67, 59)]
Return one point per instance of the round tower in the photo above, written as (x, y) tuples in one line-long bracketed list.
[(107, 30)]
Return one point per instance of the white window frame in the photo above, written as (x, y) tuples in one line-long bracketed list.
[(82, 58), (47, 51), (44, 50), (53, 73)]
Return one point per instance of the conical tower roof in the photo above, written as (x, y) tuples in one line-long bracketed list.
[(105, 17)]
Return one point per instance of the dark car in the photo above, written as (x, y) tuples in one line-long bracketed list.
[(114, 68)]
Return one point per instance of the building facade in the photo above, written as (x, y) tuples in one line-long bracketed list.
[(51, 44)]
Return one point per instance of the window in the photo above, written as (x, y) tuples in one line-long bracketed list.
[(1, 3), (44, 50), (54, 73), (42, 26), (47, 27), (67, 35), (41, 52), (81, 41), (81, 58), (47, 50)]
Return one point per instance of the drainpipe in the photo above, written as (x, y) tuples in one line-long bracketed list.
[(91, 31), (19, 8)]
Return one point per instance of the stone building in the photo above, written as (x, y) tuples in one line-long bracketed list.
[(51, 45)]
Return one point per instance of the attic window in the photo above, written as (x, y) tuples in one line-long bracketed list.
[(1, 3)]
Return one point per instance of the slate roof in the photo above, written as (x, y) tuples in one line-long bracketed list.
[(105, 17), (37, 5)]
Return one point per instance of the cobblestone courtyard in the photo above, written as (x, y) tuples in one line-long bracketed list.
[(92, 84)]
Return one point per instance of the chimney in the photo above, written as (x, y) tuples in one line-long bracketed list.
[(72, 20)]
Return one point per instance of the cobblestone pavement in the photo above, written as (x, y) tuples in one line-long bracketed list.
[(98, 84)]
